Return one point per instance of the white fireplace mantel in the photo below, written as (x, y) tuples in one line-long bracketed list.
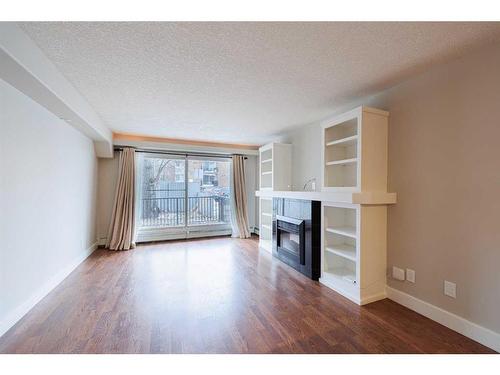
[(341, 197)]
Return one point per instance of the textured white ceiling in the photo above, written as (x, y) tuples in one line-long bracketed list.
[(241, 82)]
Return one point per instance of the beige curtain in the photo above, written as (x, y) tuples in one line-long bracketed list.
[(122, 225), (239, 216)]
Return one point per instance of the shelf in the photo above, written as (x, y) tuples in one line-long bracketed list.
[(346, 141), (342, 162), (343, 250), (347, 127), (353, 194), (344, 231), (265, 173), (266, 161), (341, 273)]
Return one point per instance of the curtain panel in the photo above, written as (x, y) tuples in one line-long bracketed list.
[(239, 217), (121, 234)]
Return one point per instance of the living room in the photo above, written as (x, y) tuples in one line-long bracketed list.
[(249, 187)]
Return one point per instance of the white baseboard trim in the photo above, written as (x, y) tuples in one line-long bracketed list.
[(463, 326), (209, 234), (15, 315), (373, 298)]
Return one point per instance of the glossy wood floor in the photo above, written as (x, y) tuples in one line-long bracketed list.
[(214, 296)]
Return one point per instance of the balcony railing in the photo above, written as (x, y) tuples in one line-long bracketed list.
[(170, 212)]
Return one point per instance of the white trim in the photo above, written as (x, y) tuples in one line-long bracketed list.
[(376, 197), (163, 236), (344, 292), (176, 233), (202, 234), (15, 315), (373, 298), (463, 326), (157, 236)]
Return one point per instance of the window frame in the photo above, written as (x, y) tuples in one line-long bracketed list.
[(187, 230)]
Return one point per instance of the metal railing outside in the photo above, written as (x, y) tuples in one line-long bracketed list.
[(170, 212)]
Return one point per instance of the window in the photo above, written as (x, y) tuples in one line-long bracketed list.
[(209, 180), (163, 192), (179, 172), (209, 173), (166, 203), (209, 189)]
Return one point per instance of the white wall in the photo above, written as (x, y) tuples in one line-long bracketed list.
[(24, 66), (48, 180), (444, 159), (108, 175)]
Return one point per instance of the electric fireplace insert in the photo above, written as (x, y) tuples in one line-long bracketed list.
[(296, 234)]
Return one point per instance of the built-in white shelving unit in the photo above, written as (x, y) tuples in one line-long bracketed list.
[(354, 148), (342, 161), (275, 174), (276, 166), (344, 250)]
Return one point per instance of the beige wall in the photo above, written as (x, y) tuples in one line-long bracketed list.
[(108, 174), (48, 180), (107, 177), (444, 163)]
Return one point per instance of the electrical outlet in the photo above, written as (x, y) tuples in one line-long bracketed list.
[(450, 289), (410, 275), (398, 273)]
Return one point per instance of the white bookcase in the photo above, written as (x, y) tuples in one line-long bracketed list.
[(276, 166), (275, 173), (354, 236), (266, 223), (354, 148), (354, 241)]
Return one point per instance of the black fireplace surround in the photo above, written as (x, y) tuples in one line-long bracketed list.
[(296, 234)]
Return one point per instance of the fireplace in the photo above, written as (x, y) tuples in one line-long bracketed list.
[(296, 231), (290, 239)]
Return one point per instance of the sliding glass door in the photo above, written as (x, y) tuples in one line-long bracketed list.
[(208, 191), (163, 191), (182, 196)]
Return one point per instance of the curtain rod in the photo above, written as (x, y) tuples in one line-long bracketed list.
[(152, 151)]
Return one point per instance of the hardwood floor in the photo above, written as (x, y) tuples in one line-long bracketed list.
[(215, 296)]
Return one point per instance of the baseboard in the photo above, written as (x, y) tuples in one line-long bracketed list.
[(373, 298), (15, 315), (463, 326), (342, 291), (209, 234), (168, 234)]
